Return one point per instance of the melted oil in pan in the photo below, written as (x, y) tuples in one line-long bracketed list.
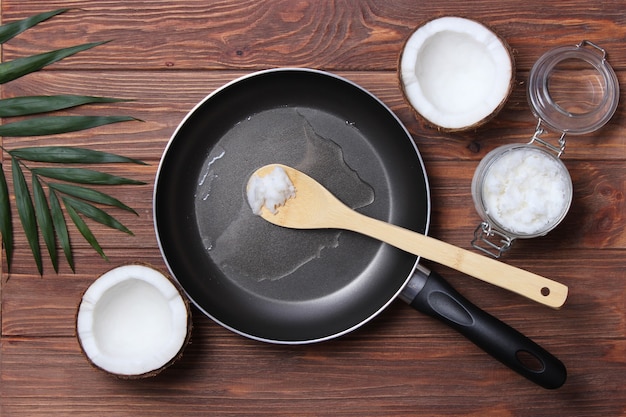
[(244, 246)]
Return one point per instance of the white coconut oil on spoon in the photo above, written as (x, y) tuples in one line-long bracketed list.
[(239, 242)]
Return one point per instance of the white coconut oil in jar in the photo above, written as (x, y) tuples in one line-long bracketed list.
[(525, 190), (522, 191)]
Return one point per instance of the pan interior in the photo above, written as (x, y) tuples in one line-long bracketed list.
[(245, 246), (272, 283)]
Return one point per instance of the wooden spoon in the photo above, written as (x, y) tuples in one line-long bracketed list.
[(314, 207)]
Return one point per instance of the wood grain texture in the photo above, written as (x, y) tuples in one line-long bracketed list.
[(335, 35), (167, 55), (356, 376)]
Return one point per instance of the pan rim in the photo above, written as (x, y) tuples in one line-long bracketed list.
[(218, 91)]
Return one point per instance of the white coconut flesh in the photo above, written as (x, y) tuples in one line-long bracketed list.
[(132, 321), (455, 72)]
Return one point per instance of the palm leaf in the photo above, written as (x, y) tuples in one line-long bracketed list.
[(27, 105), (36, 213), (10, 30), (96, 214), (44, 219), (60, 227), (26, 212), (53, 125), (19, 67), (84, 229), (6, 226), (69, 155), (90, 195), (84, 176)]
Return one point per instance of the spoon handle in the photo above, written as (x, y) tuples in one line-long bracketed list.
[(527, 284)]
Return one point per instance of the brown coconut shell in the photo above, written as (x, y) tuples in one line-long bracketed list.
[(175, 358), (477, 124)]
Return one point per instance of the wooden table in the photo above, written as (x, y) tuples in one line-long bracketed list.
[(167, 56)]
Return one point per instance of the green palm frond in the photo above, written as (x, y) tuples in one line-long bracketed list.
[(84, 229), (84, 176), (27, 105), (26, 211), (60, 227), (10, 30), (6, 226), (89, 194), (69, 155), (19, 67), (54, 125), (44, 219), (45, 215)]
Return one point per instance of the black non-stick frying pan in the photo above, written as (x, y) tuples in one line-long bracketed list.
[(292, 286)]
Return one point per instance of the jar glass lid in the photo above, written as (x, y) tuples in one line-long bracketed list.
[(573, 89)]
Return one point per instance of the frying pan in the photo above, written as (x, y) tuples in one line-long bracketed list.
[(289, 286)]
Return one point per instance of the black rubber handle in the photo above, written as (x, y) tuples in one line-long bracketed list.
[(438, 299)]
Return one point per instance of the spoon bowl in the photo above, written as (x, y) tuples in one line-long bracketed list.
[(314, 207)]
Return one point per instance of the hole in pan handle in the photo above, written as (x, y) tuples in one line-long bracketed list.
[(430, 294)]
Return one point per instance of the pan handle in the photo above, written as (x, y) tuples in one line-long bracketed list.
[(430, 294)]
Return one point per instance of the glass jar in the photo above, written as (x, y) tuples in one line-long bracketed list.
[(573, 89), (525, 190)]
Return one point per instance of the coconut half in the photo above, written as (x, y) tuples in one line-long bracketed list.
[(133, 322), (456, 73)]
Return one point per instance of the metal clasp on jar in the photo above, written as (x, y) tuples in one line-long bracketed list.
[(483, 242), (539, 130)]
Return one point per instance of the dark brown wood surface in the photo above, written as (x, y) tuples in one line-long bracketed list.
[(167, 55)]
